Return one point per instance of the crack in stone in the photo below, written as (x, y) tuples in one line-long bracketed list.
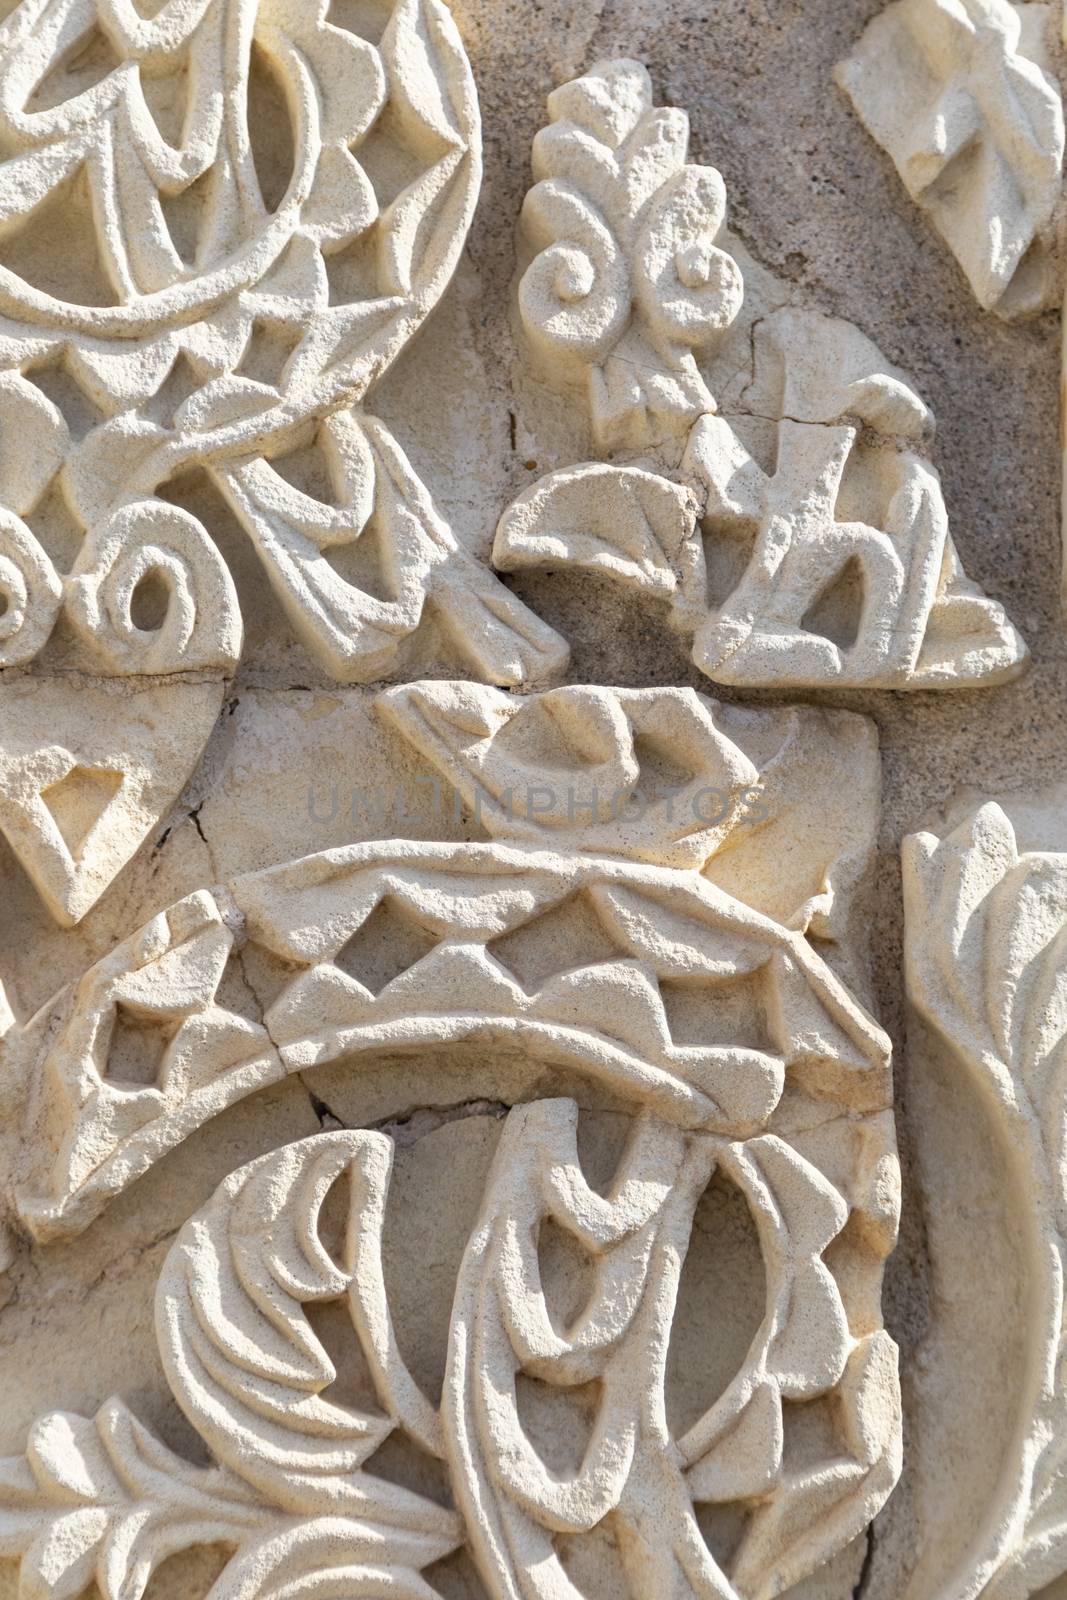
[(194, 817), (126, 1261), (409, 1126), (415, 1124), (329, 1121), (864, 1578)]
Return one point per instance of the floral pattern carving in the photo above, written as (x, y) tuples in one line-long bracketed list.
[(633, 1470), (337, 84), (732, 1047), (290, 1490), (663, 776), (88, 1137), (628, 279), (806, 541), (961, 95), (985, 968)]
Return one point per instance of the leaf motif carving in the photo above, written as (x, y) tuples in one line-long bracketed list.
[(241, 1356), (833, 565), (628, 276), (357, 634), (105, 1500), (962, 97), (986, 954), (632, 524)]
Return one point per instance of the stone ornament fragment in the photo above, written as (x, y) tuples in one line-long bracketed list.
[(664, 776), (628, 280), (987, 970), (961, 95), (618, 880), (292, 1491), (85, 774), (604, 936), (800, 536), (847, 569), (170, 296)]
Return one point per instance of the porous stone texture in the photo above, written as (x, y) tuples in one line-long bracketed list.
[(481, 1131)]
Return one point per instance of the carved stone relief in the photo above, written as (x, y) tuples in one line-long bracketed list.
[(803, 538), (600, 955), (223, 312), (452, 1067), (966, 98), (288, 1492), (986, 971), (963, 96)]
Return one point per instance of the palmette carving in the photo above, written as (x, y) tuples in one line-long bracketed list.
[(986, 967), (807, 541), (292, 1490), (961, 95), (487, 744), (629, 279)]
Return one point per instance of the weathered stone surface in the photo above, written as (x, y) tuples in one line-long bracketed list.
[(465, 1032)]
